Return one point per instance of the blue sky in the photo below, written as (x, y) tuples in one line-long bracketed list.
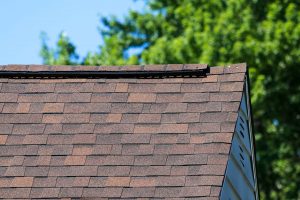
[(22, 21)]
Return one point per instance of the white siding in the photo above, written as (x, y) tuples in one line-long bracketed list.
[(240, 177)]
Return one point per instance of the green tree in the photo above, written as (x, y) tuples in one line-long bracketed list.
[(63, 54), (265, 34)]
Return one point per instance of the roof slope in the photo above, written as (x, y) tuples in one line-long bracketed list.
[(117, 137)]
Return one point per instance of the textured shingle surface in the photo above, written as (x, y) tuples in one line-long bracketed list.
[(117, 138)]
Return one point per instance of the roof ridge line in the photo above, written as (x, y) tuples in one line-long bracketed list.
[(107, 74), (160, 67), (127, 71)]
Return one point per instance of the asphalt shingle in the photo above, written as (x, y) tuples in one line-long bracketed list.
[(158, 137)]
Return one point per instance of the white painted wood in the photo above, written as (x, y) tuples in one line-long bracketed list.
[(230, 192), (243, 159), (242, 131), (247, 93), (243, 106), (240, 177), (239, 182)]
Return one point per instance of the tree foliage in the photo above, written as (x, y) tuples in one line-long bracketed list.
[(265, 34), (63, 54)]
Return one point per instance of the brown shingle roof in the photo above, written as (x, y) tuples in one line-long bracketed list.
[(117, 137)]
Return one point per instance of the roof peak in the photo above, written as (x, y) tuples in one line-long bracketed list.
[(126, 71), (159, 67)]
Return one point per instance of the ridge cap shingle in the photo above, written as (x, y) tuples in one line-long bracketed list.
[(233, 68), (159, 67), (214, 70), (127, 71), (229, 69)]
